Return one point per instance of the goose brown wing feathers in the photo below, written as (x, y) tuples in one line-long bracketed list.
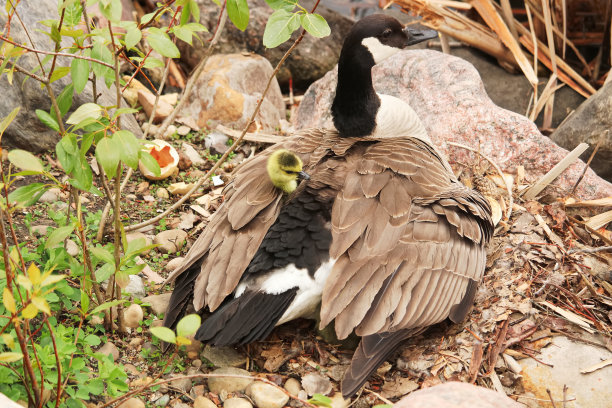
[(227, 245), (408, 239)]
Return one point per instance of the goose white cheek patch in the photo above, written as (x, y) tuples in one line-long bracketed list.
[(378, 50)]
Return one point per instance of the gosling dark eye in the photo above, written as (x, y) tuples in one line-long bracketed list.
[(290, 172)]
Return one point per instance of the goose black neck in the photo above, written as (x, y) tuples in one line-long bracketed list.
[(356, 103)]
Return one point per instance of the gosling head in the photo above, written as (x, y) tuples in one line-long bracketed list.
[(284, 169)]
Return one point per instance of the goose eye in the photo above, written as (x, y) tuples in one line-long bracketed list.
[(386, 33)]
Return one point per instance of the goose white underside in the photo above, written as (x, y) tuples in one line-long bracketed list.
[(308, 297)]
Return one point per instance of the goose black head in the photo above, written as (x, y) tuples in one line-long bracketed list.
[(370, 41), (284, 169)]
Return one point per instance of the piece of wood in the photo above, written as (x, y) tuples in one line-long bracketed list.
[(553, 173), (496, 23), (600, 202), (252, 137), (572, 317), (600, 220), (597, 366)]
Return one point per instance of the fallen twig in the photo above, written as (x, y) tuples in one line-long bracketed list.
[(589, 250)]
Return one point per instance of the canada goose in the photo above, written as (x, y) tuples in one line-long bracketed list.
[(383, 233)]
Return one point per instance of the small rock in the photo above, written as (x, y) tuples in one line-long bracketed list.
[(337, 401), (183, 130), (110, 349), (71, 247), (132, 403), (147, 100), (131, 369), (59, 206), (148, 198), (162, 193), (223, 356), (169, 133), (163, 401), (50, 196), (39, 230), (170, 241), (136, 341), (138, 235), (183, 384), (197, 363), (267, 396), (133, 315), (174, 263), (180, 188), (171, 98), (567, 359), (95, 320), (216, 142), (159, 303), (293, 386), (229, 384), (203, 402), (454, 395), (136, 287), (152, 129), (184, 162), (193, 349), (180, 405), (315, 383), (197, 390), (237, 403), (193, 155), (131, 197)]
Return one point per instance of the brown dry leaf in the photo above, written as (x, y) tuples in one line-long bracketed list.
[(399, 387), (496, 211), (187, 220), (315, 383), (142, 187)]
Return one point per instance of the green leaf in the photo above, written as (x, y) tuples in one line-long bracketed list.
[(133, 37), (64, 99), (107, 305), (149, 162), (85, 301), (101, 52), (92, 340), (147, 17), (10, 357), (83, 176), (8, 300), (164, 334), (108, 156), (55, 34), (111, 10), (105, 272), (59, 73), (316, 25), (28, 194), (58, 235), (183, 33), (279, 28), (87, 111), (103, 254), (238, 12), (122, 111), (160, 42), (128, 146), (320, 400), (72, 15), (287, 5), (79, 69), (25, 160), (47, 119), (8, 119), (186, 12), (66, 150), (188, 325)]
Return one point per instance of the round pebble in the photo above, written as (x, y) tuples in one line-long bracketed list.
[(237, 403), (203, 402), (266, 395), (229, 384), (293, 386), (133, 315), (132, 403)]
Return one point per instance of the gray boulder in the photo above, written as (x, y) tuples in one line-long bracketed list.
[(456, 395), (308, 62), (590, 123), (26, 131), (449, 97)]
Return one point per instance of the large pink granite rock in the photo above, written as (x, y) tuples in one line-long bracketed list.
[(448, 95), (456, 395)]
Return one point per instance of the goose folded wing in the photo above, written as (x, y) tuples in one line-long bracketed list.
[(409, 243)]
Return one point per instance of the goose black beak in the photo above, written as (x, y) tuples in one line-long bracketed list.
[(417, 35), (303, 175)]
